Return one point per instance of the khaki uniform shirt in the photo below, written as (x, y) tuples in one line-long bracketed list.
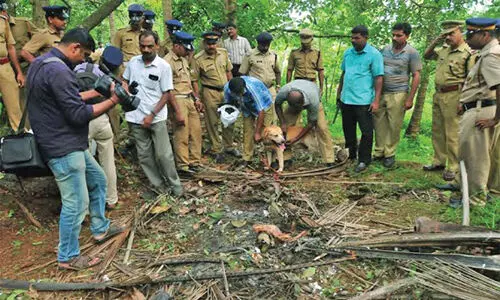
[(211, 69), (128, 41), (451, 66), (305, 63), (165, 46), (180, 72), (22, 29), (6, 37), (43, 41), (484, 75), (262, 66)]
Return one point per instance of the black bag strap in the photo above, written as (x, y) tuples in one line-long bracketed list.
[(28, 91)]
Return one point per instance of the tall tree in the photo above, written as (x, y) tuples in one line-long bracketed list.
[(38, 15), (230, 6), (100, 14), (167, 14), (112, 26)]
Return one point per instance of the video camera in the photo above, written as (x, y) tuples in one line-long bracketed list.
[(129, 102)]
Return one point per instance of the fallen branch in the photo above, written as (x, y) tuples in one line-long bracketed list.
[(478, 262), (185, 261), (428, 240), (387, 289), (28, 214), (74, 286)]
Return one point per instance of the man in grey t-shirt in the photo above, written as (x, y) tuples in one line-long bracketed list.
[(304, 94), (400, 61)]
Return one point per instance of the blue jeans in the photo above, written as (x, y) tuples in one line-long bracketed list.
[(82, 185)]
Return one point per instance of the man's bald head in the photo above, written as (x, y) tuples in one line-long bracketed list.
[(295, 99)]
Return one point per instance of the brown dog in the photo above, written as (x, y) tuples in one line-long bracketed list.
[(274, 140)]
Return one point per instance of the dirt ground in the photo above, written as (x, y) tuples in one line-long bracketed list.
[(216, 220)]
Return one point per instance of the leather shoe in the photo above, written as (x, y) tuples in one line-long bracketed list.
[(431, 168), (455, 203), (195, 168), (389, 162), (185, 172), (219, 158), (361, 167), (447, 187), (234, 152)]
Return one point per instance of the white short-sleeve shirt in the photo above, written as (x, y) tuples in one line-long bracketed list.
[(154, 80)]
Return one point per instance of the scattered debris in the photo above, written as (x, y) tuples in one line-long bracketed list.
[(276, 232)]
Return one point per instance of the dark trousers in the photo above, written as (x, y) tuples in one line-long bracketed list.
[(358, 114), (236, 70)]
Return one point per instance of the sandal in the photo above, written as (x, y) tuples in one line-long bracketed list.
[(113, 230), (79, 263)]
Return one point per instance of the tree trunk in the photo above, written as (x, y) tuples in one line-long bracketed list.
[(100, 14), (230, 10), (413, 128), (38, 14), (12, 7), (167, 15), (112, 26)]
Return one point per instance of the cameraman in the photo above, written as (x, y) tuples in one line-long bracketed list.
[(100, 128), (59, 119)]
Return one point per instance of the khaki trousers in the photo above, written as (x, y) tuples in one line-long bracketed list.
[(10, 94), (322, 133), (249, 131), (494, 177), (187, 139), (476, 147), (388, 121), (100, 131), (445, 129), (212, 99), (155, 155)]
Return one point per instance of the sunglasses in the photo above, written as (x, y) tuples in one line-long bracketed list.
[(470, 33)]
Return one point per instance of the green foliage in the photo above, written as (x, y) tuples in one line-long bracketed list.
[(487, 216)]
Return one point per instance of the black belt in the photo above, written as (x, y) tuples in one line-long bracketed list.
[(484, 103), (220, 89), (305, 78)]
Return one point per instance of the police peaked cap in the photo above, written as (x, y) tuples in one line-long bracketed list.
[(56, 11), (481, 24), (264, 37), (112, 57), (185, 39), (136, 8), (149, 14), (173, 24)]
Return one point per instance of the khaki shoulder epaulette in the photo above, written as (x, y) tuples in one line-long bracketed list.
[(199, 54)]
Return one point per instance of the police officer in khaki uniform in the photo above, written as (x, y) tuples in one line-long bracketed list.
[(41, 42), (262, 64), (172, 27), (454, 60), (187, 139), (9, 82), (127, 39), (479, 123), (213, 68), (306, 63), (22, 30)]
